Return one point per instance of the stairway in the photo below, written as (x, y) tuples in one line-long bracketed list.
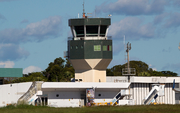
[(120, 96), (153, 94), (32, 94)]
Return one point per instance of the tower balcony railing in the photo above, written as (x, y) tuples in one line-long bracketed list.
[(128, 71), (90, 38)]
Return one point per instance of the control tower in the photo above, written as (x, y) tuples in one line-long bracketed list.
[(90, 50)]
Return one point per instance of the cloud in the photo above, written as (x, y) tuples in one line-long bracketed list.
[(173, 20), (24, 21), (118, 46), (159, 18), (7, 64), (133, 7), (2, 17), (31, 69), (12, 52), (39, 31), (132, 28), (176, 2)]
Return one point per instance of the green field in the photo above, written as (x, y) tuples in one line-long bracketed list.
[(102, 109)]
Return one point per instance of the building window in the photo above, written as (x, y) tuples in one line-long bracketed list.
[(76, 47), (57, 95), (91, 31), (79, 31), (71, 47), (104, 48), (103, 30), (97, 47)]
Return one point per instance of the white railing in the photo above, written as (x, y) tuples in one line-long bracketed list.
[(90, 38), (36, 86), (130, 71), (29, 93)]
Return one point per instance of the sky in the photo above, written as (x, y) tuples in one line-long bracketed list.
[(34, 32)]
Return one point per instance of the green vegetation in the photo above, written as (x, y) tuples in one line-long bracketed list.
[(58, 71), (61, 70), (142, 69), (101, 109)]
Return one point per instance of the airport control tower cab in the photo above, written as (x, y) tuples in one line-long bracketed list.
[(90, 50)]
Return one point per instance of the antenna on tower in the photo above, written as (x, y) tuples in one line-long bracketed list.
[(127, 70), (127, 50), (84, 16), (124, 42)]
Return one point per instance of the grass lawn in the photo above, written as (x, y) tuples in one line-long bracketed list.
[(101, 109)]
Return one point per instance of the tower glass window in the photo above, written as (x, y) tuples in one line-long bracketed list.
[(97, 47), (79, 31), (91, 31), (103, 30)]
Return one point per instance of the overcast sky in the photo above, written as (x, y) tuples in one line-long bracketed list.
[(34, 32)]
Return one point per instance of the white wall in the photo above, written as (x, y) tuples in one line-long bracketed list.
[(65, 98), (10, 93), (72, 98), (141, 90)]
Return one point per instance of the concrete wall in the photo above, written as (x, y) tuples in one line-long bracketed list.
[(91, 75), (90, 70), (10, 93)]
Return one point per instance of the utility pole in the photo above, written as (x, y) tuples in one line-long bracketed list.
[(128, 65)]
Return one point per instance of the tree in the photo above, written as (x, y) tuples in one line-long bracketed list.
[(144, 74), (169, 73), (35, 76), (58, 71), (139, 66), (142, 69), (109, 72)]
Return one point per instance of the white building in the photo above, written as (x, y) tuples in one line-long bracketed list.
[(74, 94), (141, 86)]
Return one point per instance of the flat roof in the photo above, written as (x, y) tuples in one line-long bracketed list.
[(11, 72), (143, 79), (89, 21), (101, 85)]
